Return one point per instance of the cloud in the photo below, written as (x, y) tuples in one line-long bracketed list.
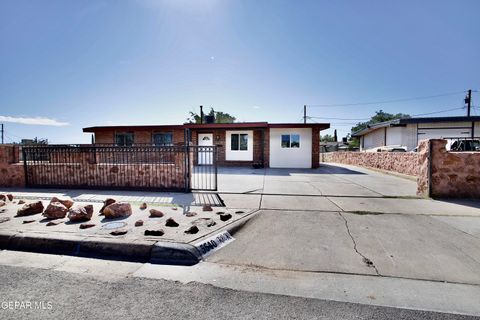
[(256, 107), (39, 121)]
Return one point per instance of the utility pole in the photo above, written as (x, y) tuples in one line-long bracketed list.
[(468, 101), (2, 133), (304, 114)]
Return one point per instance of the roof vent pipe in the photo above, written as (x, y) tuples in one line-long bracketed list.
[(201, 114)]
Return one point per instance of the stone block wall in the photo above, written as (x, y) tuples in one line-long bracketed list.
[(11, 171), (400, 162), (447, 174)]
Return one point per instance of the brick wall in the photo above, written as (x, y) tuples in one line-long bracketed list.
[(315, 147), (400, 162), (447, 174), (11, 171)]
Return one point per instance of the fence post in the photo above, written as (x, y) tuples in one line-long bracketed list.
[(25, 169)]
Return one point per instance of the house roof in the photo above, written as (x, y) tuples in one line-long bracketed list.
[(237, 125), (402, 122)]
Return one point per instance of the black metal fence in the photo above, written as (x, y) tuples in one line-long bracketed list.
[(163, 168), (463, 144)]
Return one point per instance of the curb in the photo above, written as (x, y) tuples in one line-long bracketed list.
[(158, 252)]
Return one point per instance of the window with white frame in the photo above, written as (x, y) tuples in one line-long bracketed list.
[(239, 142), (290, 141)]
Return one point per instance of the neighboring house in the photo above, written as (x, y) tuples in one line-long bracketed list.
[(279, 145), (407, 133)]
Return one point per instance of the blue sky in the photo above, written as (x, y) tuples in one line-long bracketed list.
[(89, 63)]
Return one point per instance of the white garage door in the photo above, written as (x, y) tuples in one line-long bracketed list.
[(444, 133), (291, 148)]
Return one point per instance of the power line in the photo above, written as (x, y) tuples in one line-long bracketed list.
[(384, 101)]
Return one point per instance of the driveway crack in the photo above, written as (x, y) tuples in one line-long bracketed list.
[(366, 260)]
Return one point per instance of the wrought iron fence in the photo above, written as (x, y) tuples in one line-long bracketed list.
[(463, 144), (165, 168)]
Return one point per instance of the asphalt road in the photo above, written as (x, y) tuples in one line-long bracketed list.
[(78, 296)]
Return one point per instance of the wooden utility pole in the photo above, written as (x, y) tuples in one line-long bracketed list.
[(304, 114), (2, 133), (468, 101)]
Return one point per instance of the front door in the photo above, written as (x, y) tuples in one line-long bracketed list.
[(205, 155)]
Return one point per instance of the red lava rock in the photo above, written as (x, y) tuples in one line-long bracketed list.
[(21, 201), (191, 214), (3, 197), (55, 210), (207, 207), (66, 202), (119, 232), (154, 213), (28, 221), (143, 206), (117, 210), (87, 225), (225, 216), (2, 203), (175, 208), (80, 213), (138, 223), (54, 223), (155, 233), (10, 197), (29, 209), (106, 203), (192, 230), (171, 223)]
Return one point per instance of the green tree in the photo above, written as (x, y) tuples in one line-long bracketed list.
[(380, 116), (220, 117), (327, 138)]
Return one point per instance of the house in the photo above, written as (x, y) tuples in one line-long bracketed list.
[(408, 132), (275, 145)]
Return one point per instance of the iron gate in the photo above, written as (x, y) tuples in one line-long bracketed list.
[(139, 167)]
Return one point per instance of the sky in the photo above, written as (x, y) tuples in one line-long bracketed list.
[(65, 65)]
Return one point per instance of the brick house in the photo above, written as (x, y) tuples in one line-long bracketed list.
[(279, 145)]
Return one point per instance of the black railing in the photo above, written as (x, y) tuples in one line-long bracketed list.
[(163, 168), (457, 144)]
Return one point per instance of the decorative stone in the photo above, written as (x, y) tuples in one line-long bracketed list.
[(143, 206), (66, 202), (138, 223), (239, 212), (29, 209), (3, 197), (155, 233), (207, 207), (54, 223), (106, 203), (171, 223), (154, 213), (21, 201), (80, 213), (87, 225), (118, 210), (119, 232), (175, 208), (10, 197), (2, 203), (205, 222), (225, 216), (28, 221), (191, 214), (55, 210), (192, 230)]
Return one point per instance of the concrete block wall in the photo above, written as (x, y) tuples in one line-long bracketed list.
[(11, 171)]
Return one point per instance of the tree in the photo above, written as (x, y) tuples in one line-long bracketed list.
[(220, 117), (327, 138), (380, 116)]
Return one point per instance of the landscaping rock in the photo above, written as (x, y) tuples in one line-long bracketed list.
[(55, 210), (154, 213), (155, 233), (3, 210), (175, 208), (191, 214), (138, 223), (143, 206), (106, 203), (10, 197), (204, 222), (192, 230), (225, 216), (2, 203), (66, 202), (80, 213), (87, 225), (54, 223), (171, 223), (21, 201), (207, 207), (4, 219), (28, 221), (239, 212), (119, 232), (118, 210), (3, 197), (29, 209)]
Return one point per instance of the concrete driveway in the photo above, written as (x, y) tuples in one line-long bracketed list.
[(328, 180)]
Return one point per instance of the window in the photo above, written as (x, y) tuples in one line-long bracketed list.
[(163, 139), (290, 141), (239, 142), (124, 139)]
